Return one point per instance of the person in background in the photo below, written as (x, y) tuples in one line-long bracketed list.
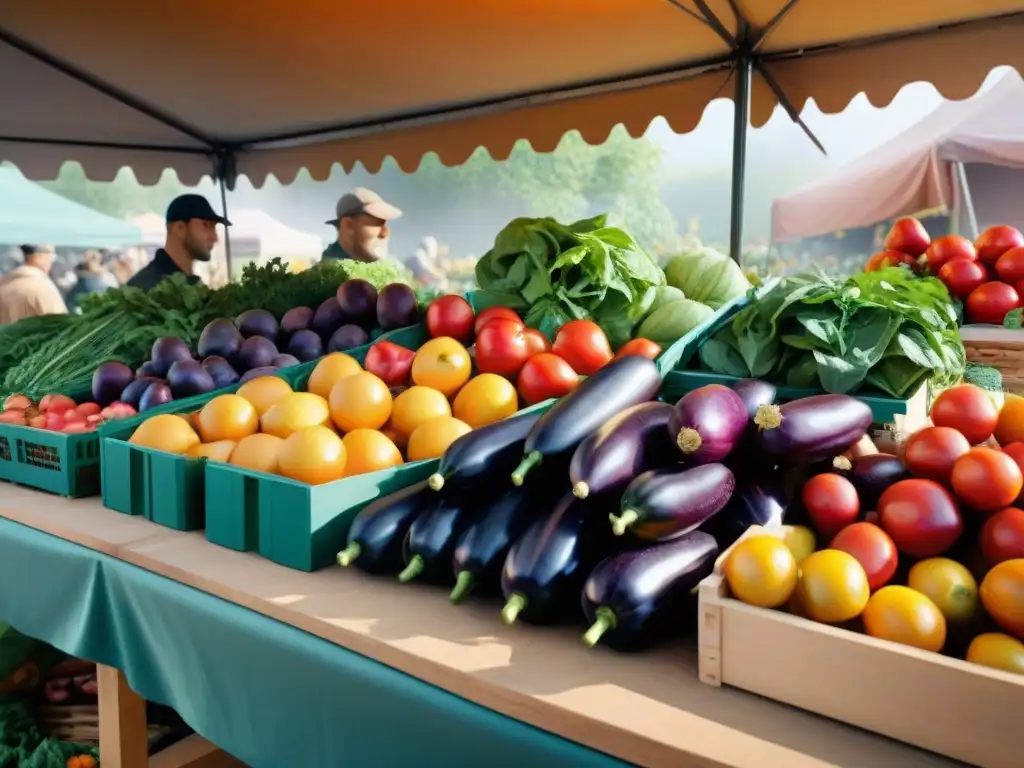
[(92, 278), (361, 218), (423, 264), (28, 291), (191, 235)]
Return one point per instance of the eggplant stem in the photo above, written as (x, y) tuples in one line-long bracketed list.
[(531, 460), (768, 416), (689, 440), (581, 490), (413, 569), (436, 481), (463, 586), (515, 605), (348, 555), (620, 523), (604, 620)]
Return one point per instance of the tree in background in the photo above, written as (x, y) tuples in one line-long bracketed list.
[(122, 198)]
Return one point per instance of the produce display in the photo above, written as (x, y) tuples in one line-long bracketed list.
[(59, 413)]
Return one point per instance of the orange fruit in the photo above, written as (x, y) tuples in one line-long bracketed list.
[(1002, 596), (165, 432), (903, 615), (761, 571), (485, 399), (443, 364), (360, 401), (258, 452), (1010, 427), (996, 650), (218, 451), (227, 417), (417, 405), (432, 438), (294, 412), (832, 587), (264, 392), (329, 371), (313, 455), (368, 451)]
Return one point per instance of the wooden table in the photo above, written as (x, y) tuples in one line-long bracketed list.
[(648, 709)]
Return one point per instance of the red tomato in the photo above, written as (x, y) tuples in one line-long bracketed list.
[(496, 313), (501, 347), (1002, 536), (889, 259), (831, 502), (921, 517), (450, 316), (986, 479), (872, 548), (583, 345), (1016, 452), (389, 362), (962, 276), (907, 235), (931, 452), (947, 248), (967, 409), (995, 241), (990, 302), (536, 342), (643, 347), (77, 427), (89, 409), (1010, 266), (546, 375), (56, 404)]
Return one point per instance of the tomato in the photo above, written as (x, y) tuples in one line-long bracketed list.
[(17, 403), (986, 479), (294, 412), (501, 347), (314, 455), (431, 438), (1016, 452), (88, 409), (643, 347), (1010, 427), (967, 409), (56, 404), (583, 345), (13, 416), (873, 549), (487, 398), (536, 342), (761, 571), (362, 401), (921, 517), (832, 587), (1010, 266), (443, 364), (998, 651), (889, 259), (996, 241), (368, 450), (962, 276), (907, 235), (800, 541), (546, 375), (496, 313), (329, 371), (990, 302), (451, 316), (901, 615), (227, 417), (1002, 536), (931, 452), (948, 584), (947, 248), (415, 406), (831, 502), (1002, 596), (390, 362)]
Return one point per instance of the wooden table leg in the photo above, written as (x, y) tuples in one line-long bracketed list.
[(124, 739)]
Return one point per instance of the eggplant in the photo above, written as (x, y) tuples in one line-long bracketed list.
[(377, 534), (635, 598), (872, 474), (546, 566), (812, 428), (480, 553), (661, 504), (627, 444), (485, 453), (708, 423), (760, 503), (431, 540), (628, 381), (754, 393)]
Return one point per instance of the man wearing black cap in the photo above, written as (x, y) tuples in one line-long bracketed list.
[(361, 217), (191, 235)]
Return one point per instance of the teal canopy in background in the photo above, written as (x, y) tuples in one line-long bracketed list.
[(32, 214)]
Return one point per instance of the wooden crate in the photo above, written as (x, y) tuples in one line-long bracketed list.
[(964, 711), (81, 724), (1002, 348)]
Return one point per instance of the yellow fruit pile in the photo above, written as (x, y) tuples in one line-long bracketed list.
[(347, 422)]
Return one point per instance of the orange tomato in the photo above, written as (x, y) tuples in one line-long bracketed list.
[(329, 371), (986, 479), (889, 259), (485, 399), (1002, 596), (417, 405), (832, 587), (443, 364), (294, 412), (264, 392), (165, 432), (368, 450), (227, 417), (1010, 427), (219, 451), (901, 615), (998, 651), (761, 571), (313, 455), (360, 401), (432, 438), (258, 452)]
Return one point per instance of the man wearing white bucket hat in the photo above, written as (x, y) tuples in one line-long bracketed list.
[(361, 217)]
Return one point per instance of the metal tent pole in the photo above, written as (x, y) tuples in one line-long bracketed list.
[(741, 119), (227, 229)]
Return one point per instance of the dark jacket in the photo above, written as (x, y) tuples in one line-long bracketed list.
[(89, 282), (160, 267), (334, 251)]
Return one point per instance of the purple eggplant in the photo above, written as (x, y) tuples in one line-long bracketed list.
[(377, 533), (812, 428), (545, 568), (634, 599), (754, 393), (759, 503), (871, 475), (620, 384), (627, 444), (708, 423), (432, 538), (661, 504)]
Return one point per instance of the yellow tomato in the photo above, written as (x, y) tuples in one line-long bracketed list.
[(800, 541), (903, 615), (999, 651), (442, 364), (947, 584), (761, 571), (219, 451), (165, 432), (294, 412), (264, 392), (259, 452), (417, 405), (329, 371), (485, 399), (1010, 427), (313, 455), (368, 450), (432, 438), (832, 587), (360, 401), (227, 417), (1002, 595)]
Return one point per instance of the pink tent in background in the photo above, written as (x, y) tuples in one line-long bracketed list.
[(966, 156)]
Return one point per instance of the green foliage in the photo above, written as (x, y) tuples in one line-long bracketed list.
[(121, 198)]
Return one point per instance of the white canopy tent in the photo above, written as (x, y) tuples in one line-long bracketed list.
[(258, 236)]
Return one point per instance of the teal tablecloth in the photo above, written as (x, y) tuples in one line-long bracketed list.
[(268, 693)]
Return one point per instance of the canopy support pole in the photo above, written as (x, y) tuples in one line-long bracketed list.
[(741, 120), (966, 202), (225, 171)]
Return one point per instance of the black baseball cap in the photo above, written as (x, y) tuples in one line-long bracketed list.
[(188, 207)]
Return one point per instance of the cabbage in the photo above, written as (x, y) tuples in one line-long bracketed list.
[(707, 276), (670, 322), (664, 294)]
